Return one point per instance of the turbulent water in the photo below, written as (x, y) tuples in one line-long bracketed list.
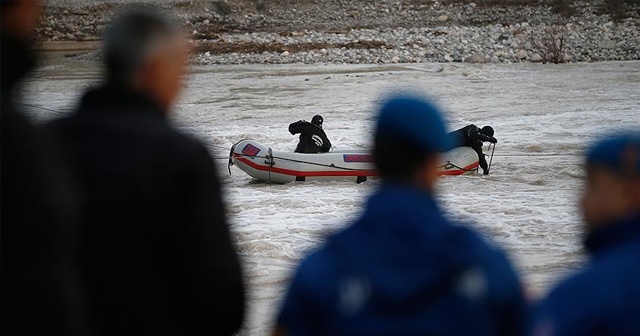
[(544, 115)]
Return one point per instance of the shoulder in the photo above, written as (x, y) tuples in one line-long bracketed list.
[(461, 233), (319, 131), (320, 271), (570, 307), (596, 296), (190, 142), (311, 290), (66, 131), (476, 250), (613, 268), (59, 123), (618, 267), (317, 270), (487, 276), (195, 155)]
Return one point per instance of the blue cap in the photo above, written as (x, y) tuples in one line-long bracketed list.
[(413, 119), (620, 153)]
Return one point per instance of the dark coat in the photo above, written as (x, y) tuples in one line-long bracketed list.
[(604, 298), (312, 138), (156, 252), (469, 136), (40, 289), (403, 269)]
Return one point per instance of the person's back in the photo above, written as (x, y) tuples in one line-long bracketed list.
[(604, 298), (39, 284), (460, 137), (156, 252), (150, 192), (312, 137), (402, 268), (472, 136)]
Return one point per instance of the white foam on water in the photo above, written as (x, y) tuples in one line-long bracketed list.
[(543, 115)]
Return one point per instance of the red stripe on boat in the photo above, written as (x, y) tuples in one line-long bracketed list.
[(336, 173), (305, 173), (460, 171)]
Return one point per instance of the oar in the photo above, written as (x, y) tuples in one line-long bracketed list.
[(491, 160)]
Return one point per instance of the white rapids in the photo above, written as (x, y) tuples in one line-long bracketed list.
[(544, 116)]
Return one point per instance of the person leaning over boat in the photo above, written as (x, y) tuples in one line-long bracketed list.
[(472, 136), (603, 298), (312, 136), (403, 268), (156, 253)]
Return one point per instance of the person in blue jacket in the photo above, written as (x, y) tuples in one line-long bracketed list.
[(403, 268), (604, 298)]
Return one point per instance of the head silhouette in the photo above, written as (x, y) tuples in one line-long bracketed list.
[(144, 50), (411, 128), (487, 130), (317, 120)]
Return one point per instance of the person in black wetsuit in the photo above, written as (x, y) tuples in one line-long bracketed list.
[(312, 137), (472, 136)]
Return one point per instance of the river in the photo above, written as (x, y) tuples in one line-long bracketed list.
[(543, 115)]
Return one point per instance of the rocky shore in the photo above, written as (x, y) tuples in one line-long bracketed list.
[(393, 31)]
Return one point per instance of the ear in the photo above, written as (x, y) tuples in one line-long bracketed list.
[(154, 65), (151, 80), (634, 192), (428, 171)]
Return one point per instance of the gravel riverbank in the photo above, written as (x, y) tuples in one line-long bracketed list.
[(395, 31)]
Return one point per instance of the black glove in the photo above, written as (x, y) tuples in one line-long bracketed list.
[(493, 140)]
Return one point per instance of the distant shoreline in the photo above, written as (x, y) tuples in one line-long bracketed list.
[(77, 46), (370, 32)]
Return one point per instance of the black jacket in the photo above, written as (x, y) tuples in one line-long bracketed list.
[(156, 253), (469, 136), (312, 138), (39, 294)]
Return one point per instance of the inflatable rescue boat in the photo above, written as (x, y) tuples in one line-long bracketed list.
[(264, 163)]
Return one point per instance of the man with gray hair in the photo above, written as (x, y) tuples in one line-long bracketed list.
[(156, 253)]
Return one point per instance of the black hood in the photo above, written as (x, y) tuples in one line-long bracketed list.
[(317, 120)]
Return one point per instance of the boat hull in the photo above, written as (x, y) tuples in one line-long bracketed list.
[(264, 163)]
